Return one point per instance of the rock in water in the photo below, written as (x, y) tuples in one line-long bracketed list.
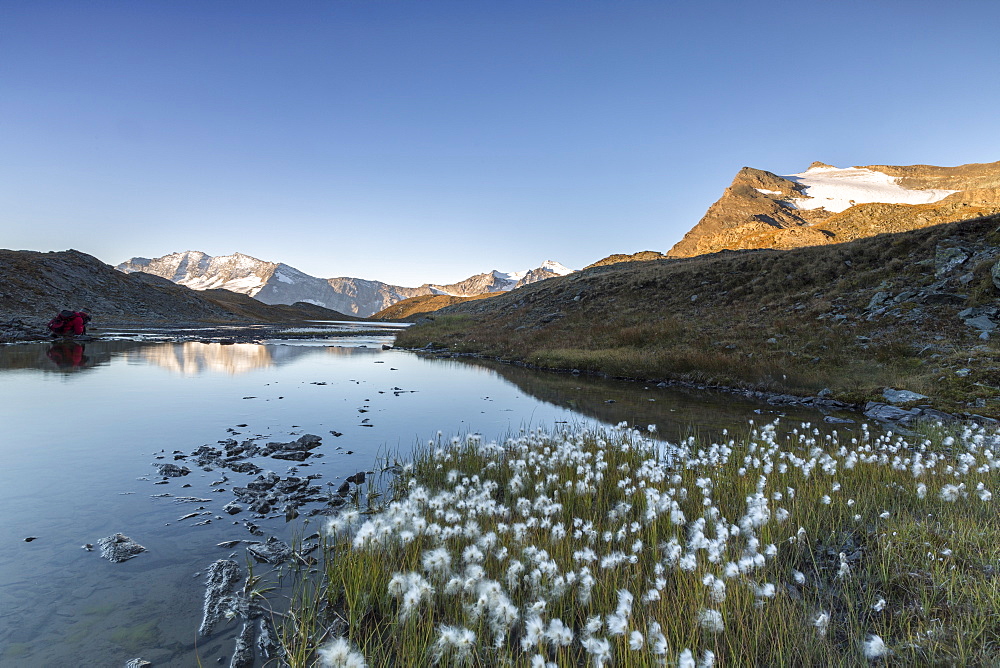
[(222, 577), (267, 643), (172, 470), (232, 508), (137, 662), (272, 551), (243, 653), (119, 547)]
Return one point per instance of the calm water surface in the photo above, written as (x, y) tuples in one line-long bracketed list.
[(82, 429)]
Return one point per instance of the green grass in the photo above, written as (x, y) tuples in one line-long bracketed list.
[(497, 540)]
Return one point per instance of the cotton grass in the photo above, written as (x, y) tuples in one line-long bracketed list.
[(579, 547)]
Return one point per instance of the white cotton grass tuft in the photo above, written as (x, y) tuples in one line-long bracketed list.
[(950, 493), (874, 648), (339, 653), (437, 560), (625, 600), (711, 621), (454, 643), (617, 625), (559, 634), (686, 660), (822, 623), (599, 649)]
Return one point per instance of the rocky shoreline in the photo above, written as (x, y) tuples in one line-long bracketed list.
[(901, 407), (17, 330)]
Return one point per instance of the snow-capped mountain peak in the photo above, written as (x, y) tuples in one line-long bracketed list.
[(556, 268), (278, 283)]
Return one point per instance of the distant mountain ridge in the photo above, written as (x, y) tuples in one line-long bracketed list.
[(826, 204), (37, 285), (279, 283)]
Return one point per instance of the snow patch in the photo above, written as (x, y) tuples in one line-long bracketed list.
[(284, 279), (765, 191), (512, 276), (836, 189)]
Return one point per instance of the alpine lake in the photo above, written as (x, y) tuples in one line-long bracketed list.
[(88, 426)]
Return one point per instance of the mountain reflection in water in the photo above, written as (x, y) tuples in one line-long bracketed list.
[(189, 358), (194, 358)]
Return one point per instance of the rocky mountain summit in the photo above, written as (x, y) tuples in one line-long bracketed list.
[(827, 204), (278, 283)]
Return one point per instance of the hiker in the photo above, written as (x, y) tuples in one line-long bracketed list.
[(69, 323)]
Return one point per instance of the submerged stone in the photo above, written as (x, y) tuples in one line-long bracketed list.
[(222, 577), (243, 652), (271, 551), (119, 547), (891, 413), (267, 642), (831, 419)]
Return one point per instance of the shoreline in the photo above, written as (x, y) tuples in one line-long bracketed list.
[(883, 412)]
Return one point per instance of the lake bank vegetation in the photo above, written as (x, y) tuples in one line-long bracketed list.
[(913, 310), (581, 547)]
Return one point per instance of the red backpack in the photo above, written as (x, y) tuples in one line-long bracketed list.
[(61, 324)]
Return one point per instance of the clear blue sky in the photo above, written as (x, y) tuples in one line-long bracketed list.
[(424, 140)]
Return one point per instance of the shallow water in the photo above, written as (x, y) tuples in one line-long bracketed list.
[(82, 428)]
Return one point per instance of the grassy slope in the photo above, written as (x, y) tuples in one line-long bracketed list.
[(788, 321), (415, 307), (244, 306)]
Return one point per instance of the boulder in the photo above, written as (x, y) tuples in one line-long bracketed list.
[(888, 413), (982, 323), (878, 299), (901, 396), (995, 275)]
